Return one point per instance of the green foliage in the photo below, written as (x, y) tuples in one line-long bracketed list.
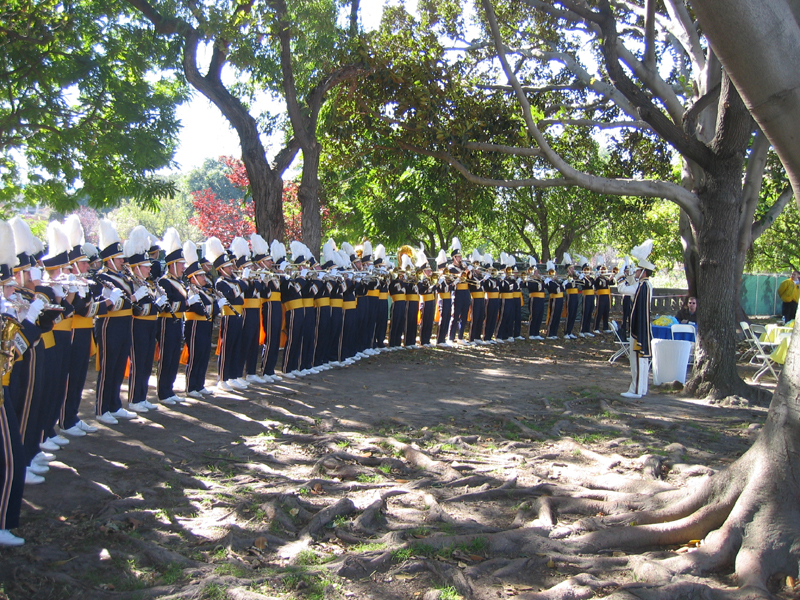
[(174, 212), (84, 106)]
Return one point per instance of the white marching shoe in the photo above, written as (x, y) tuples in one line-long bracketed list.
[(86, 427), (123, 414), (254, 379), (74, 431), (138, 407), (9, 539), (107, 419), (195, 394), (149, 405), (32, 478)]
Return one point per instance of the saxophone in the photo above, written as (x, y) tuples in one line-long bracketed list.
[(9, 328)]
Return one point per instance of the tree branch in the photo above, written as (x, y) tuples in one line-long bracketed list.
[(773, 213), (659, 189)]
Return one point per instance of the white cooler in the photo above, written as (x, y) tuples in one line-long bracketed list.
[(670, 360)]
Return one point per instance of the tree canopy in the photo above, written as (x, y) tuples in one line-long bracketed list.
[(86, 113)]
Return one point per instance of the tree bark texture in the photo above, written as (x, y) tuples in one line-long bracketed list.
[(308, 194)]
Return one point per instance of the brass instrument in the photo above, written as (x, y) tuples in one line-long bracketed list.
[(20, 303), (9, 328)]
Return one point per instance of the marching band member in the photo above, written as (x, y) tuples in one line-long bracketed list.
[(555, 303), (397, 292), (322, 304), (535, 300), (12, 453), (371, 300), (572, 289), (262, 260), (112, 331), (86, 308), (199, 323), (625, 287), (56, 356), (337, 312), (587, 283), (427, 300), (251, 314), (382, 318), (294, 310), (506, 323), (272, 316), (517, 291), (36, 321), (603, 293), (491, 285), (230, 302), (478, 298), (443, 298), (170, 321), (146, 306), (461, 297), (641, 334), (349, 321)]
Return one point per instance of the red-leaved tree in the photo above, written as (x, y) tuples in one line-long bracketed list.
[(292, 211), (222, 218)]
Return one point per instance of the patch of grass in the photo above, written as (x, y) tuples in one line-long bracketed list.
[(420, 531), (594, 438), (478, 545), (341, 521), (449, 447), (371, 547), (307, 557), (304, 491), (576, 452), (402, 439), (658, 451), (232, 569), (219, 553), (214, 591), (343, 443), (402, 554), (422, 549), (450, 593), (605, 415), (447, 528), (385, 469), (366, 478), (173, 574)]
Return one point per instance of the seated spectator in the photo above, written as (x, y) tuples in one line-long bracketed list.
[(688, 312)]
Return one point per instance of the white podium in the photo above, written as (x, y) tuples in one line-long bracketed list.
[(670, 360)]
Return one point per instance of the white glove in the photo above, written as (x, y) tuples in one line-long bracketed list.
[(71, 277), (349, 276), (303, 272), (441, 280), (34, 310), (503, 276), (222, 302), (116, 294), (73, 289), (580, 277), (519, 279), (194, 298), (246, 273), (106, 292), (487, 276), (547, 280), (82, 292), (161, 300), (140, 293), (58, 290), (35, 274)]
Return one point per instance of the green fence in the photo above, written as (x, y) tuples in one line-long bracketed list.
[(759, 294)]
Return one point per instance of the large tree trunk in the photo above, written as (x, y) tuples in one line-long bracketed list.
[(308, 195), (715, 373)]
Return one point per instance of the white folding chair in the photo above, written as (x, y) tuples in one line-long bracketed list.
[(623, 347), (685, 328), (750, 353), (761, 357)]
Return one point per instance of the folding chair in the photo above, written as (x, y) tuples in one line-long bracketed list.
[(623, 347), (761, 357), (685, 328), (750, 353)]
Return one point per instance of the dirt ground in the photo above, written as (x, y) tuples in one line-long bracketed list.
[(413, 474)]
